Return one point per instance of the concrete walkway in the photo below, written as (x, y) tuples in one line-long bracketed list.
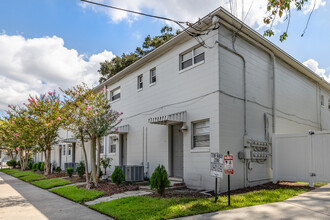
[(310, 205), (21, 200), (118, 196)]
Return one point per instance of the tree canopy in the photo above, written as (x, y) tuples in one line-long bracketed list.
[(110, 68)]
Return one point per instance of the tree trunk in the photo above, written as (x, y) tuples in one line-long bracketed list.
[(47, 158), (88, 185), (93, 158), (98, 160), (21, 159)]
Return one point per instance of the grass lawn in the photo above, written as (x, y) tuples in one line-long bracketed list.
[(159, 208), (317, 184), (50, 183), (27, 176), (77, 194)]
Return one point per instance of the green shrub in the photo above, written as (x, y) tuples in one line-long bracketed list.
[(11, 163), (34, 166), (69, 171), (42, 166), (100, 174), (30, 165), (81, 169), (18, 163), (58, 169), (159, 180), (118, 176), (38, 165)]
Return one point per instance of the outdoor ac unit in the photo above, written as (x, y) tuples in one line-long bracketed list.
[(133, 173)]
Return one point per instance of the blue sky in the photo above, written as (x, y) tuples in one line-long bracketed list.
[(80, 36)]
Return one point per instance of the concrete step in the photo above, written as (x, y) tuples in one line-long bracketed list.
[(176, 182)]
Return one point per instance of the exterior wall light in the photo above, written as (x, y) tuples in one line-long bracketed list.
[(184, 128)]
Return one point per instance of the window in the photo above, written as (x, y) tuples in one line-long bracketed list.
[(328, 104), (192, 57), (201, 134), (112, 145), (102, 146), (69, 150), (140, 82), (63, 149), (115, 94), (322, 100), (153, 76)]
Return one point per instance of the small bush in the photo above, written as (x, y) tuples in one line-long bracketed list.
[(18, 163), (81, 169), (38, 165), (69, 171), (58, 169), (118, 176), (42, 166), (11, 163), (30, 165), (159, 180), (100, 174), (34, 166)]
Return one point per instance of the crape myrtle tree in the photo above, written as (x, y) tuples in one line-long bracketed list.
[(23, 133), (46, 113), (89, 114), (9, 142), (280, 8)]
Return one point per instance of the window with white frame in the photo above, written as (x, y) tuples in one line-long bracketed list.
[(115, 94), (322, 100), (63, 150), (69, 150), (102, 146), (140, 82), (192, 57), (328, 104), (201, 134), (112, 145), (153, 77)]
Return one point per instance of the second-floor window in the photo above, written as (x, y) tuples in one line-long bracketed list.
[(322, 100), (115, 94), (140, 82), (192, 57), (153, 78), (102, 146)]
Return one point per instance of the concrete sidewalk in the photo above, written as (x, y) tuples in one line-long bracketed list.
[(21, 200), (310, 205)]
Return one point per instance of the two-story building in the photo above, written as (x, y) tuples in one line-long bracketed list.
[(229, 89)]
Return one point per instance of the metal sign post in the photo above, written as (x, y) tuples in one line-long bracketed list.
[(229, 170)]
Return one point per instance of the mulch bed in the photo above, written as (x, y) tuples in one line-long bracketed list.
[(75, 179), (111, 188), (56, 175), (187, 193)]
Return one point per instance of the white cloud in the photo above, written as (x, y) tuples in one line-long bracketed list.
[(253, 14), (313, 4), (35, 66), (314, 66)]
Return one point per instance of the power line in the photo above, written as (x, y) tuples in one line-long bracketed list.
[(133, 12)]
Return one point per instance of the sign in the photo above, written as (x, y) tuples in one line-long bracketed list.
[(216, 168), (229, 164)]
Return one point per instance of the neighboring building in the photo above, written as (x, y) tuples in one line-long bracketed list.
[(183, 101)]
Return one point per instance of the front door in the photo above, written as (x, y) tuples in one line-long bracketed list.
[(177, 151), (123, 150)]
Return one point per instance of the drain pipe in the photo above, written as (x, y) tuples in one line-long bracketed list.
[(271, 54), (245, 99)]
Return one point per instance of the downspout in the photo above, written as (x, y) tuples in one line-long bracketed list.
[(245, 97), (143, 146), (271, 54)]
